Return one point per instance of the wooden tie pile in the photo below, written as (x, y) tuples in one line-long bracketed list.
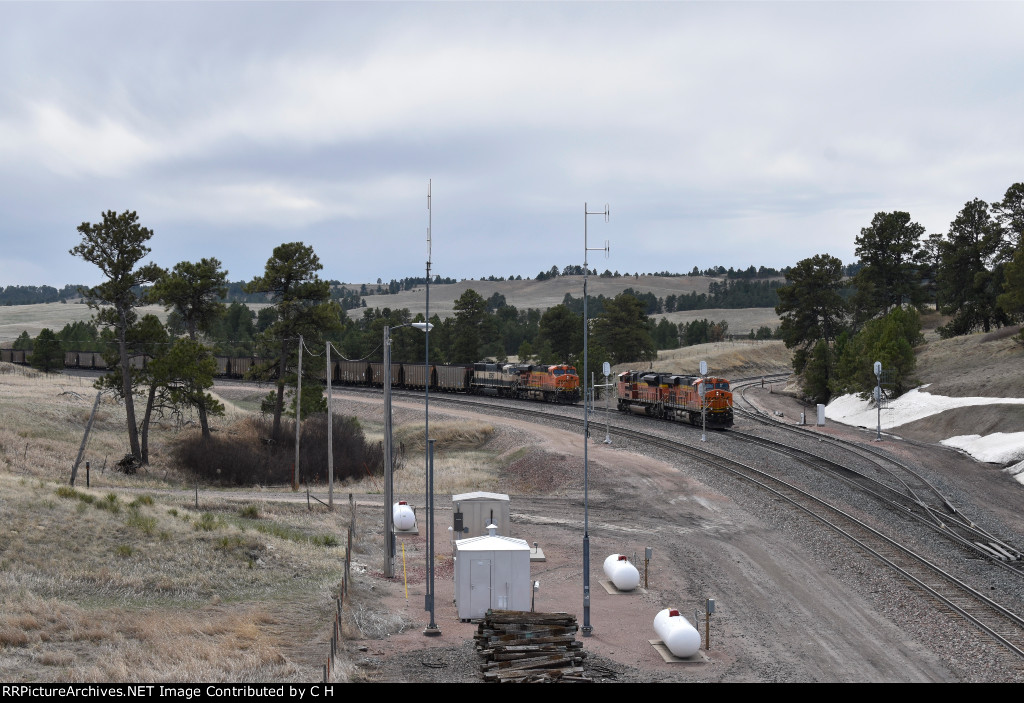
[(530, 647)]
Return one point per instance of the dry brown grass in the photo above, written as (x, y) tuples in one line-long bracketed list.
[(732, 360), (15, 319), (462, 460), (194, 595), (128, 581)]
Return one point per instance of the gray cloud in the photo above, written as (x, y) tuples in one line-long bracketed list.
[(719, 133)]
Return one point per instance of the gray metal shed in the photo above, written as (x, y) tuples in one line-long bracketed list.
[(491, 572), (478, 510)]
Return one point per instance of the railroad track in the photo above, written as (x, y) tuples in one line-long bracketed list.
[(952, 594), (891, 482)]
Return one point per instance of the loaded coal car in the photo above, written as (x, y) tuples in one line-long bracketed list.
[(453, 378), (352, 373), (377, 374), (418, 376)]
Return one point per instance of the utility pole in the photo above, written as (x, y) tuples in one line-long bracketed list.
[(298, 418), (330, 436), (85, 437)]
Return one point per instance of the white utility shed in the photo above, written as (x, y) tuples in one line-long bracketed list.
[(480, 509), (491, 572)]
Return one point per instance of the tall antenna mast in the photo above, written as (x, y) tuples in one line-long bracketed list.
[(428, 228), (428, 453)]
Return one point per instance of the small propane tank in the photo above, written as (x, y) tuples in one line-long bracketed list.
[(681, 638), (403, 516), (621, 573)]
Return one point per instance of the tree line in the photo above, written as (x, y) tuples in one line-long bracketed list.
[(838, 325), (302, 316)]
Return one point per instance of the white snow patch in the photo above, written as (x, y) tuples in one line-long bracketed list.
[(996, 448), (909, 407), (1016, 471), (913, 405)]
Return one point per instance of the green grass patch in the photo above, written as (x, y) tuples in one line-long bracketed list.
[(110, 502), (208, 522), (69, 492), (146, 523), (293, 535)]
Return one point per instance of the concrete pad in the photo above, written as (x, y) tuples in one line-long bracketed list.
[(537, 554), (699, 658), (613, 591), (414, 530)]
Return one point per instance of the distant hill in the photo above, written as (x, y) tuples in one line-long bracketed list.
[(522, 294), (536, 294)]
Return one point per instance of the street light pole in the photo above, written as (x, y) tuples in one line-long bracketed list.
[(432, 628), (587, 629), (389, 529)]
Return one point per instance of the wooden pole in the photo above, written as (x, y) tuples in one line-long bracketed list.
[(330, 436), (85, 437), (298, 418)]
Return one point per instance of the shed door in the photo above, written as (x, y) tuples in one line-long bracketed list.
[(479, 587)]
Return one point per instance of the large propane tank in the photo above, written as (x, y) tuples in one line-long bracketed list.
[(681, 638), (621, 573), (404, 517)]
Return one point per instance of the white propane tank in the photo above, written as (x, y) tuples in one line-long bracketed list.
[(681, 638), (403, 516), (621, 573)]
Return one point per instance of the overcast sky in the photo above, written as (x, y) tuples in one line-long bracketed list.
[(719, 133)]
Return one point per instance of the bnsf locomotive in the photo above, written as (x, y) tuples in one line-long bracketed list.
[(673, 397), (552, 384)]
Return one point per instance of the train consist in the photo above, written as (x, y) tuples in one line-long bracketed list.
[(552, 383), (557, 383), (662, 395), (673, 397)]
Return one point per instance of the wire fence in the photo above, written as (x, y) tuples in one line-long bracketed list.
[(329, 666)]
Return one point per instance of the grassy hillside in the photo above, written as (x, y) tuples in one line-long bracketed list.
[(537, 294), (16, 319)]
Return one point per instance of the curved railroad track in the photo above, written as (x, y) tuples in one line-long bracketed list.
[(912, 499), (889, 481)]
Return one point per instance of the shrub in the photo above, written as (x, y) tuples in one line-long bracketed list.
[(144, 522), (250, 511), (248, 456), (208, 522)]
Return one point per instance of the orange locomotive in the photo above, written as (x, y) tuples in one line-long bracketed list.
[(674, 397), (557, 383)]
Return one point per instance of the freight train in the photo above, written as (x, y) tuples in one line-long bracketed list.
[(553, 383), (661, 395), (675, 397)]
